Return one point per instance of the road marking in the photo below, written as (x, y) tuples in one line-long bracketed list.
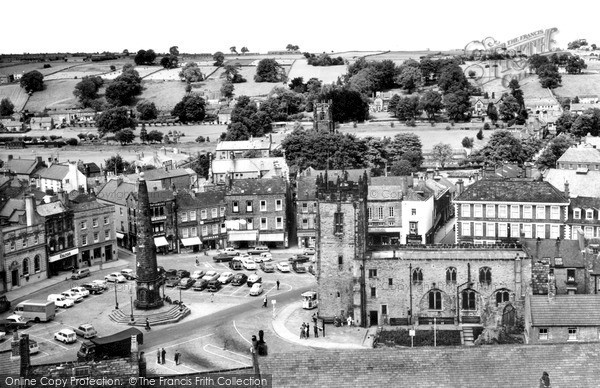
[(218, 355), (238, 289), (185, 366), (236, 329), (224, 265), (230, 351), (163, 365), (209, 265), (185, 342), (53, 342)]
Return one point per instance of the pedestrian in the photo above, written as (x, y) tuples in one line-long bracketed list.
[(323, 329), (265, 301), (316, 330), (302, 331), (278, 284), (158, 355), (147, 325), (212, 297), (314, 318), (163, 354), (176, 357), (197, 261), (349, 320)]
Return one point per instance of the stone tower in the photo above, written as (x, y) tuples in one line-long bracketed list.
[(341, 245), (148, 281), (323, 120)]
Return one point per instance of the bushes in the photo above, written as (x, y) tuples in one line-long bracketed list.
[(422, 338), (200, 139), (72, 141)]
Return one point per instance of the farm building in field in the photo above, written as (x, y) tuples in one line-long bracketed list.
[(41, 123)]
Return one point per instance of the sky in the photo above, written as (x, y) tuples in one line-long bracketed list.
[(201, 26)]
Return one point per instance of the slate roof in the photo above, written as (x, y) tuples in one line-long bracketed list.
[(450, 254), (580, 155), (55, 172), (583, 203), (580, 185), (257, 186), (191, 200), (582, 107), (21, 166), (566, 310), (116, 192), (222, 166), (48, 209), (568, 250), (568, 365), (512, 191), (12, 205)]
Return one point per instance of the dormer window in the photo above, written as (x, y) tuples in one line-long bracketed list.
[(577, 214), (589, 214)]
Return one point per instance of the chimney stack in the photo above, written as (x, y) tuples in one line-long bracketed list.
[(460, 187), (551, 286), (567, 192), (528, 169), (30, 210), (24, 353)]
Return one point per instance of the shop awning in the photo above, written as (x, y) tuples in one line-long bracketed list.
[(160, 241), (239, 235), (63, 255), (191, 241), (120, 235), (278, 237)]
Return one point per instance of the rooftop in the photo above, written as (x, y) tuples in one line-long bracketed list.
[(243, 145), (505, 190), (568, 250), (258, 186), (48, 209), (116, 191), (580, 155), (565, 310), (580, 184), (21, 166), (222, 166), (456, 253), (54, 172), (187, 199)]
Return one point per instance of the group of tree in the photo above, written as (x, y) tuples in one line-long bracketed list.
[(191, 73), (191, 108), (371, 76), (218, 57), (145, 57), (114, 120), (118, 165), (578, 43), (268, 70), (171, 61), (409, 76), (87, 89), (147, 110), (323, 60), (247, 120), (555, 149), (407, 108), (7, 108), (503, 146), (32, 81), (232, 73), (512, 106), (579, 125), (124, 88), (546, 70), (153, 136), (292, 47)]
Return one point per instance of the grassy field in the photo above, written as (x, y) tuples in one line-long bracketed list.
[(164, 94), (88, 69), (15, 94), (39, 66), (58, 94), (578, 84), (327, 74)]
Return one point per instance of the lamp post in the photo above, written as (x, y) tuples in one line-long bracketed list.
[(180, 301), (131, 301), (116, 301)]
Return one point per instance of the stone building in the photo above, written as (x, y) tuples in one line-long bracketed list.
[(60, 235), (261, 147), (162, 218), (58, 176), (323, 116), (115, 193), (580, 157), (201, 219), (25, 169)]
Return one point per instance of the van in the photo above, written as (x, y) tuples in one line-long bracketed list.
[(235, 264), (60, 300), (37, 311), (81, 273)]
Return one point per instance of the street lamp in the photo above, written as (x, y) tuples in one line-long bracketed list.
[(131, 301), (116, 301), (180, 301)]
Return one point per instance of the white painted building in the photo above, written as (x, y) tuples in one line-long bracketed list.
[(65, 176)]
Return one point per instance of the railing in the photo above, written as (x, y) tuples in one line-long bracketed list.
[(515, 246)]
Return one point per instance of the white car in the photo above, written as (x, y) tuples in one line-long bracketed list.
[(248, 264), (265, 256), (225, 277), (75, 297), (244, 256), (60, 300), (283, 266), (198, 274), (211, 275), (256, 289), (66, 336), (81, 291), (309, 251), (101, 283), (115, 277), (231, 251)]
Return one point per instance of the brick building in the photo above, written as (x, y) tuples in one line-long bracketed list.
[(493, 210), (201, 219), (257, 212)]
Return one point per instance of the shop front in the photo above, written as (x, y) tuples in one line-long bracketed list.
[(306, 239), (64, 261), (242, 238), (161, 244), (273, 239), (191, 244)]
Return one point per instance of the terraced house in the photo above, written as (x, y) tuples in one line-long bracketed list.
[(201, 220), (492, 211)]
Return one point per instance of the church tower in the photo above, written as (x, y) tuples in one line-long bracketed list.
[(323, 119), (148, 282)]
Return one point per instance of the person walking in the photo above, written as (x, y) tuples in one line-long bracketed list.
[(316, 330), (197, 261), (265, 301), (323, 328), (277, 284), (147, 325), (158, 355), (163, 354), (314, 318), (212, 297), (302, 331), (176, 357)]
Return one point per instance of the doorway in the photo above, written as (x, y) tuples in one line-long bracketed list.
[(15, 277), (373, 317)]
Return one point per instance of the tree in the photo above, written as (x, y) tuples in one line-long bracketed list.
[(169, 62), (219, 57), (147, 110), (393, 104), (125, 136), (124, 88), (492, 112), (468, 142), (297, 85), (244, 50), (191, 73), (549, 76), (233, 50), (431, 103), (555, 149), (227, 89), (155, 136), (174, 50), (7, 108), (575, 65), (509, 107), (452, 79), (190, 108), (237, 131), (574, 45), (458, 106), (564, 122), (145, 57), (118, 165), (536, 61), (201, 164), (401, 168), (115, 119), (268, 70), (407, 146), (347, 104), (408, 108), (232, 73), (409, 78), (87, 90), (583, 125), (32, 81), (480, 134), (442, 154), (143, 133)]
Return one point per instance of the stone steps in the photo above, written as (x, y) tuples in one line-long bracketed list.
[(174, 314), (467, 336)]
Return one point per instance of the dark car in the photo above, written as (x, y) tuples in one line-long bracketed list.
[(200, 284), (298, 267), (213, 286), (311, 269), (239, 279), (299, 259), (93, 288), (182, 273), (173, 281), (221, 257), (235, 264), (170, 273), (186, 283), (267, 267)]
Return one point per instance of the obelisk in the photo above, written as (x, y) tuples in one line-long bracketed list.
[(148, 282)]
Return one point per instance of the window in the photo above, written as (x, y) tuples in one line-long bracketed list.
[(305, 209), (380, 213), (249, 206), (234, 207), (340, 261), (465, 210), (263, 223), (572, 334), (540, 212), (36, 264), (490, 229), (158, 228), (249, 223), (502, 297), (192, 215), (105, 220), (279, 223), (372, 273), (390, 282), (95, 222), (96, 236), (527, 211), (577, 214), (413, 212), (417, 276), (478, 210), (84, 239), (24, 242), (485, 275), (107, 234), (570, 275), (338, 223), (540, 231), (194, 231), (514, 211), (305, 223), (263, 206), (543, 333), (25, 266), (215, 228), (83, 225), (515, 230), (555, 212), (589, 214), (413, 228), (204, 214), (490, 211), (466, 228), (502, 211), (120, 210), (185, 233), (469, 299), (222, 212), (390, 211), (384, 309), (204, 230), (214, 212), (278, 205), (184, 216), (527, 230), (435, 300), (451, 275), (588, 232), (554, 231), (502, 230), (373, 292), (478, 229), (12, 245)]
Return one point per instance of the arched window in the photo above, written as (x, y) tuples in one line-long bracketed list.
[(502, 296), (469, 300), (485, 275), (36, 263), (451, 275), (25, 266), (417, 276), (435, 300)]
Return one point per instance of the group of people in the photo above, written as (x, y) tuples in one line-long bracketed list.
[(162, 353), (305, 330), (339, 321)]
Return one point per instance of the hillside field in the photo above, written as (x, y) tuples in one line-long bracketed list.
[(57, 94), (15, 94)]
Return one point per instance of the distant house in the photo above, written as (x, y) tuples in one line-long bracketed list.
[(544, 108), (582, 107), (236, 149), (41, 123), (72, 116), (6, 78), (248, 168), (580, 157), (588, 99), (25, 169), (480, 105), (11, 125), (60, 176), (224, 115)]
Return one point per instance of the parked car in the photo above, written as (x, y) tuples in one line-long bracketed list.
[(254, 278), (101, 282), (239, 279), (283, 267), (256, 289), (236, 264), (115, 277), (75, 297), (61, 300), (249, 264), (33, 346), (81, 273), (170, 273), (311, 270), (186, 283), (128, 274), (225, 277), (161, 270), (258, 250), (298, 267), (66, 336), (213, 286), (182, 273), (221, 257), (265, 256), (81, 291), (299, 259), (309, 251), (267, 267), (197, 274), (86, 331), (93, 288), (200, 284), (230, 250), (211, 275), (172, 281)]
